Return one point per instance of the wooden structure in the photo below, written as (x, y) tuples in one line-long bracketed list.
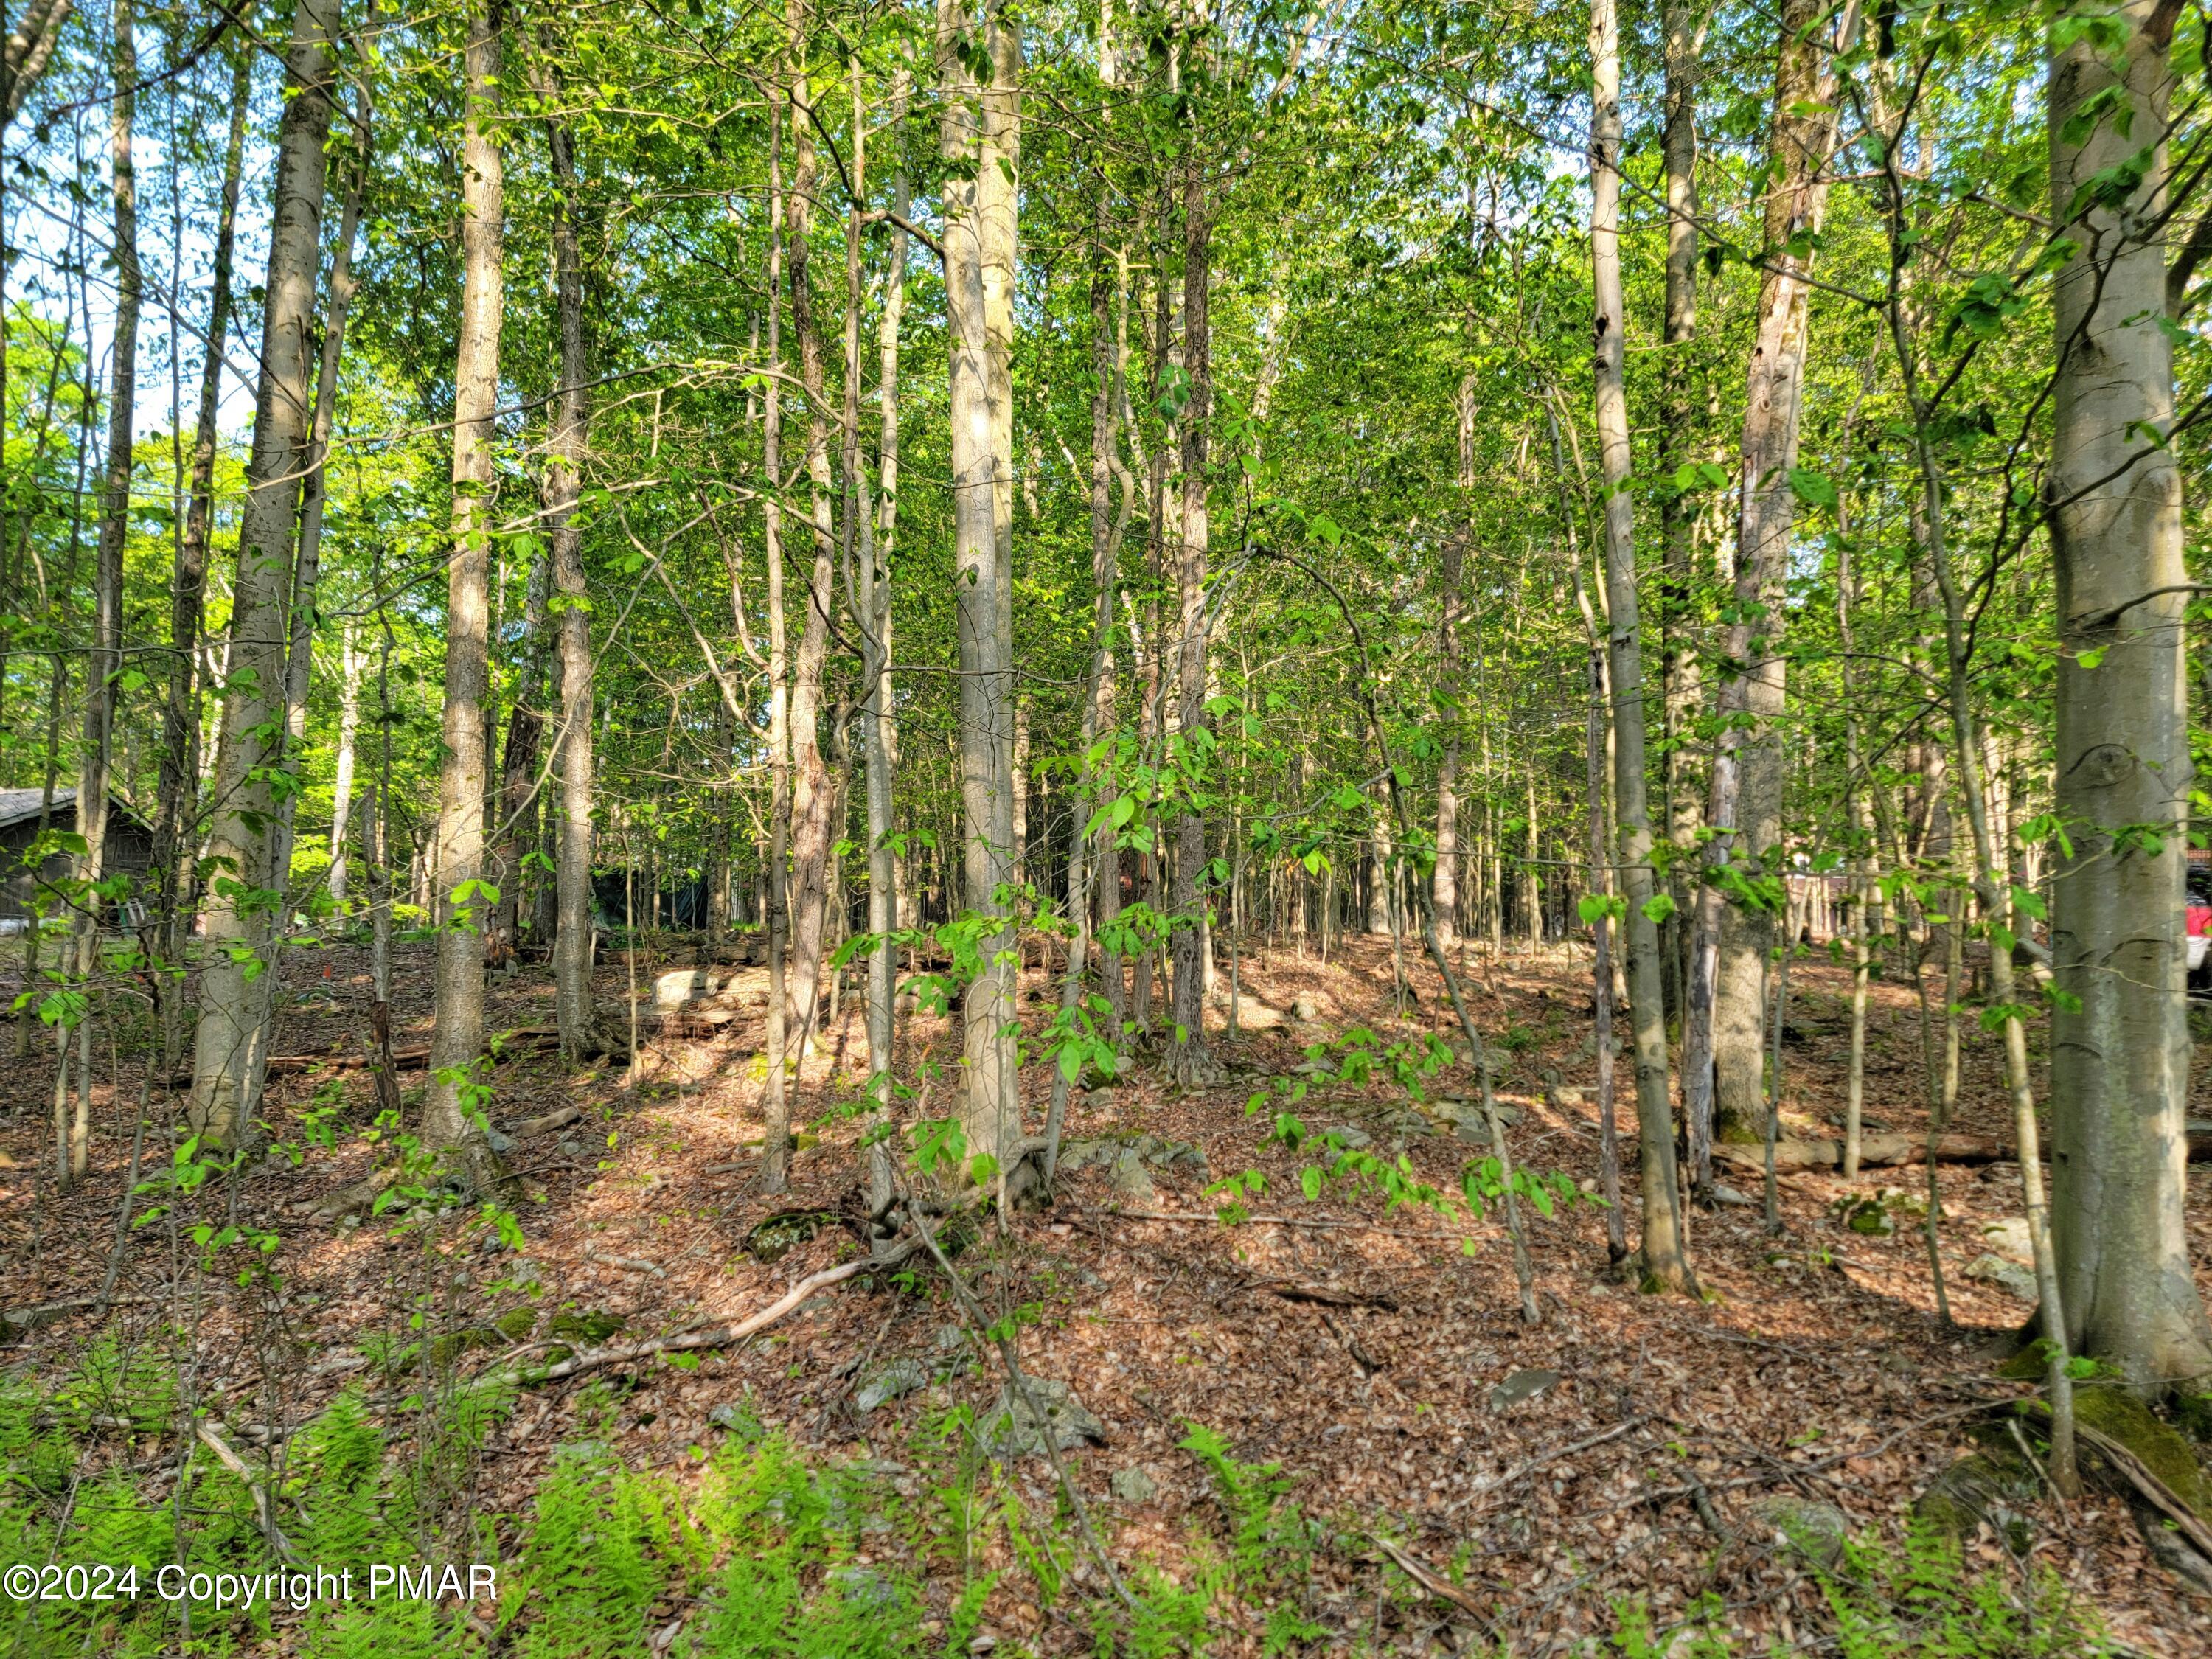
[(130, 846)]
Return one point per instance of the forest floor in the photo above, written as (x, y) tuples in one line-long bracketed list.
[(1650, 1464)]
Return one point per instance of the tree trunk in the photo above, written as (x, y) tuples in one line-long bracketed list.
[(1191, 1061), (227, 1051), (29, 49), (451, 1121), (873, 600), (177, 808), (307, 571), (350, 665), (980, 129), (516, 831), (1683, 25), (564, 461), (1738, 937), (2119, 1069), (813, 793), (1444, 887), (776, 1103), (104, 667), (1666, 1261), (1108, 306)]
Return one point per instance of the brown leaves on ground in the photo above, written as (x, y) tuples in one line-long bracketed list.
[(1817, 1370)]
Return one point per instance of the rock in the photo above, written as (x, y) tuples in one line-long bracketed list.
[(568, 1146), (2008, 1238), (949, 1338), (1350, 1136), (1564, 1095), (1729, 1195), (1305, 1008), (726, 1416), (1817, 1531), (675, 988), (1521, 1385), (1129, 1179), (2008, 1276), (1978, 1487), (2118, 1413), (1009, 1431), (2170, 1551), (888, 1383), (501, 1145), (1132, 1485)]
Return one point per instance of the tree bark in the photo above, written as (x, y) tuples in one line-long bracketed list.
[(1665, 1259), (1190, 1060), (104, 667), (571, 603), (1734, 939), (516, 831), (775, 1104), (813, 793), (1683, 26), (451, 1121), (28, 49), (350, 665), (979, 130), (176, 809), (228, 1043), (2119, 1069)]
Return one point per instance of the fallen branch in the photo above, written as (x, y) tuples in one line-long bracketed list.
[(714, 1336), (1889, 1151), (627, 1263), (1278, 1221), (1522, 1471), (266, 1506), (2160, 1496), (28, 1319), (559, 1117), (1328, 1297), (1434, 1582)]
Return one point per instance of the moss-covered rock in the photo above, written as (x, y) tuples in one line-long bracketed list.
[(516, 1324), (2116, 1412), (587, 1325), (1982, 1485)]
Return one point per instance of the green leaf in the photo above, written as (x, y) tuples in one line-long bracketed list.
[(1658, 907), (1812, 488)]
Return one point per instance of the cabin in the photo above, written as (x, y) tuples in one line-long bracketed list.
[(130, 846)]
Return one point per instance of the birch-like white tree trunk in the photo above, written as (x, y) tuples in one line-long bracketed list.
[(227, 1052)]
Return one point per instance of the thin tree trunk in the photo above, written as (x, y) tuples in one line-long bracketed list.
[(350, 665), (1666, 1261), (314, 492), (1683, 25), (979, 130), (104, 668), (1191, 1061), (29, 48), (775, 1102), (1739, 937), (872, 604), (564, 462), (451, 1121), (813, 794), (177, 807), (516, 829), (227, 1052)]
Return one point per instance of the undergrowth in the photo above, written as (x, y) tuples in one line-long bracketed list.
[(754, 1549)]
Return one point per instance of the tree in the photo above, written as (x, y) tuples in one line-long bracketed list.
[(229, 1051), (450, 1121), (2120, 1046)]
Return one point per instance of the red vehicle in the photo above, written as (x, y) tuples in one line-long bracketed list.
[(2198, 924)]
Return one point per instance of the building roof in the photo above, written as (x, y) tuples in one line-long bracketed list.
[(21, 806)]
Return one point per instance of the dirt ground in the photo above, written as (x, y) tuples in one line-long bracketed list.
[(1815, 1369)]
